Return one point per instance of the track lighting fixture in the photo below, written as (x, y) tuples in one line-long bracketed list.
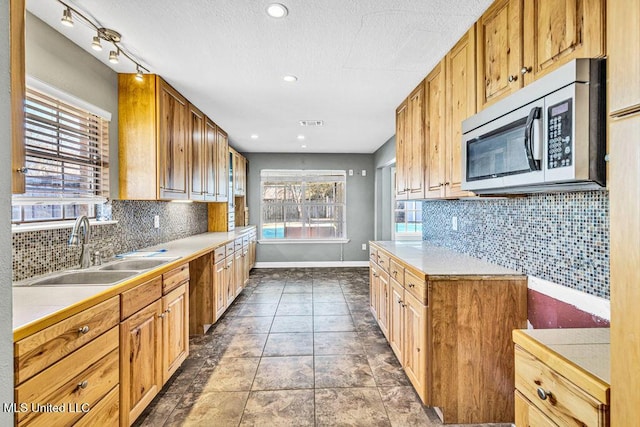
[(103, 34), (67, 18), (95, 45)]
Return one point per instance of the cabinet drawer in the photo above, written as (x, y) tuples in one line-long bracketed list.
[(238, 244), (416, 286), (84, 376), (140, 297), (562, 401), (219, 254), (373, 254), (528, 415), (245, 240), (396, 271), (43, 349), (174, 278), (230, 248), (105, 413), (383, 261)]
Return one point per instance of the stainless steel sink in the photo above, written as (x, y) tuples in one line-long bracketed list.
[(104, 278), (136, 264)]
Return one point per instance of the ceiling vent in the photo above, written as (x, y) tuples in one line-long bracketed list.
[(311, 123)]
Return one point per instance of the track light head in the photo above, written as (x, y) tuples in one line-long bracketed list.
[(95, 45), (67, 18), (139, 76), (113, 56)]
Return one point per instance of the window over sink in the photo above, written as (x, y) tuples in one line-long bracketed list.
[(67, 157), (302, 205)]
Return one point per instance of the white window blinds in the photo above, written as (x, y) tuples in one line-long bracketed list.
[(66, 153)]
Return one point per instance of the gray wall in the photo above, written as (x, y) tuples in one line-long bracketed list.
[(360, 198), (384, 159), (54, 59), (6, 334)]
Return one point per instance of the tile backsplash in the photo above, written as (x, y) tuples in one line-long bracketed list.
[(563, 237), (40, 252)]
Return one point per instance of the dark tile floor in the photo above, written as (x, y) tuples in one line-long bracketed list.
[(299, 347)]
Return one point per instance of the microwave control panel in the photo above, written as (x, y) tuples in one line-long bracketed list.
[(559, 143)]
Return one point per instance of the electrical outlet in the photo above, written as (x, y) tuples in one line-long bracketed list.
[(350, 172), (454, 223), (156, 221), (364, 172), (364, 246)]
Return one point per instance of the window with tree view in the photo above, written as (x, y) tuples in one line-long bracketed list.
[(303, 205), (408, 218)]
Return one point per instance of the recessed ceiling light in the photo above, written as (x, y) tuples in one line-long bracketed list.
[(303, 146), (254, 136), (300, 136), (277, 10), (290, 78)]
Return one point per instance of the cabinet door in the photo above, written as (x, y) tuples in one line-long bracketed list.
[(230, 278), (557, 31), (435, 132), (197, 149), (18, 91), (402, 186), (460, 104), (175, 330), (396, 314), (415, 144), (239, 174), (374, 274), (172, 142), (238, 275), (222, 166), (415, 344), (140, 361), (499, 51), (246, 259), (383, 302), (623, 61), (210, 166), (220, 287)]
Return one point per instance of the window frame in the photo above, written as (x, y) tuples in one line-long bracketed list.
[(68, 207), (304, 177)]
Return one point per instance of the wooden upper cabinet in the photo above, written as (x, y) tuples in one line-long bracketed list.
[(557, 31), (222, 169), (153, 123), (499, 51), (210, 155), (197, 172), (239, 173), (18, 92), (435, 133), (172, 143), (623, 61), (460, 66), (415, 143), (402, 186)]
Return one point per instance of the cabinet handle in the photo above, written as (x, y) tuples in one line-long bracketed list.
[(512, 78), (84, 384), (411, 285), (83, 330), (168, 310), (399, 301), (542, 394), (161, 315), (525, 70), (395, 273)]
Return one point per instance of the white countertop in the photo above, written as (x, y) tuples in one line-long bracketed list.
[(36, 303), (438, 261)]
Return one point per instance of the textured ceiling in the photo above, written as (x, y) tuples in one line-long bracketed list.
[(355, 60)]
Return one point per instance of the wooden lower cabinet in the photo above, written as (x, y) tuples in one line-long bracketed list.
[(374, 294), (383, 303), (140, 361), (175, 330), (238, 273), (104, 413), (452, 334), (528, 415), (220, 287)]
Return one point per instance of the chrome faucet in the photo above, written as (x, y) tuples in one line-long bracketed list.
[(80, 236)]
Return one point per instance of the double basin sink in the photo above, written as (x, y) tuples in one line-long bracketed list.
[(106, 275)]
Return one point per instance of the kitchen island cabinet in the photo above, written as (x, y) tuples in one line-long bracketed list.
[(450, 323)]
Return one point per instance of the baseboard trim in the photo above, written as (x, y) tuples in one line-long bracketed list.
[(307, 264)]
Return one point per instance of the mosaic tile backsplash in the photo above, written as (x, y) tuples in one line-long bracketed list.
[(563, 237), (40, 252)]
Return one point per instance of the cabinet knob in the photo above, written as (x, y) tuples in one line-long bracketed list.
[(525, 70), (399, 301), (512, 78), (83, 330), (411, 285), (84, 384), (542, 394), (161, 315), (168, 310), (23, 170)]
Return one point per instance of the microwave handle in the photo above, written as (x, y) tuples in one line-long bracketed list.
[(532, 138)]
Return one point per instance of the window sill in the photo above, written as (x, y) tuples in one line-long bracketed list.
[(302, 241), (57, 225)]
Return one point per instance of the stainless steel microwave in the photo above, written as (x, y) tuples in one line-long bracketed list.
[(549, 136)]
